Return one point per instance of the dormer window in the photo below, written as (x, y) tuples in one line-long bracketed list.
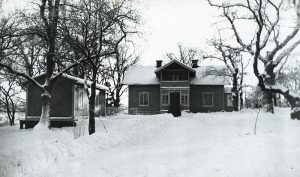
[(175, 77)]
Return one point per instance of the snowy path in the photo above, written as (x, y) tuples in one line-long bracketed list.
[(216, 144)]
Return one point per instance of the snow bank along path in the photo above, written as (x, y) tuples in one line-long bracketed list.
[(206, 144)]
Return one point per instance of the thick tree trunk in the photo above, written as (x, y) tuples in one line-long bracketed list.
[(235, 92), (92, 104), (275, 99), (9, 112), (268, 96), (13, 117), (46, 108), (241, 100), (117, 99), (269, 79)]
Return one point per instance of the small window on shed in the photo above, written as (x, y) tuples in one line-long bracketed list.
[(80, 99), (229, 100), (144, 99), (208, 99)]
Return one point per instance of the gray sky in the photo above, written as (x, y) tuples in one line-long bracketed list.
[(165, 23), (171, 21), (168, 22)]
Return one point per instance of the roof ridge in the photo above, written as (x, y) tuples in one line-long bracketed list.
[(176, 61)]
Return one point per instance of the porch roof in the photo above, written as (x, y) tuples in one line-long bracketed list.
[(73, 78)]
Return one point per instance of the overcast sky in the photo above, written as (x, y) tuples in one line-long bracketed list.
[(165, 23), (171, 21)]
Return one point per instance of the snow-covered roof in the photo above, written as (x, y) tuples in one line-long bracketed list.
[(209, 80), (76, 79), (227, 89), (81, 81), (145, 75), (141, 75)]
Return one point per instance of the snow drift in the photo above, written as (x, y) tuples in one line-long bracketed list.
[(202, 144)]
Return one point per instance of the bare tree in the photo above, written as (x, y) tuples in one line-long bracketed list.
[(30, 54), (9, 96), (185, 55), (44, 25), (113, 75), (289, 76), (96, 32), (269, 44), (232, 58)]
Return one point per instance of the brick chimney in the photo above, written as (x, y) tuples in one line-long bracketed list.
[(158, 63), (195, 64)]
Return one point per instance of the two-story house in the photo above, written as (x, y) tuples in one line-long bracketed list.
[(175, 85)]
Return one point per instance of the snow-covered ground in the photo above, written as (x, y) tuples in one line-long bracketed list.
[(208, 145), (4, 120)]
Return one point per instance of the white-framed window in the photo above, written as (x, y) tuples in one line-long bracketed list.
[(80, 99), (208, 99), (165, 99), (229, 100), (143, 98), (184, 100), (175, 77)]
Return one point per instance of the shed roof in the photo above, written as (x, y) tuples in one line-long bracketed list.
[(76, 79)]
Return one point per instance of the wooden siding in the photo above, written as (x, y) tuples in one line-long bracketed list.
[(196, 98), (154, 99), (61, 101), (167, 74)]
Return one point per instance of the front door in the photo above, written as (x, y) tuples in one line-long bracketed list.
[(175, 104)]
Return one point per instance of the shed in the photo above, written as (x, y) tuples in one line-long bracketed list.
[(69, 102)]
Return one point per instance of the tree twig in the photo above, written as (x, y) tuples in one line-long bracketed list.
[(255, 125)]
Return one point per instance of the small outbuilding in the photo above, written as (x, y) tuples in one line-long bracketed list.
[(69, 102)]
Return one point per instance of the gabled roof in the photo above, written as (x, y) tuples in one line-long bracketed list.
[(177, 62), (73, 78)]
